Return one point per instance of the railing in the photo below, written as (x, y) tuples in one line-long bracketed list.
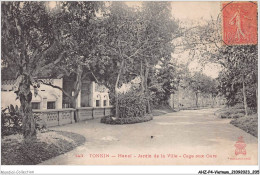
[(58, 117), (86, 113)]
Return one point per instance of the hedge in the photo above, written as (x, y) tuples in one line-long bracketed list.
[(131, 104), (121, 121)]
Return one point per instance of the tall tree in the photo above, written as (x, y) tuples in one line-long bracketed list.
[(162, 82), (118, 49), (79, 34), (239, 63), (159, 29), (29, 45), (240, 69)]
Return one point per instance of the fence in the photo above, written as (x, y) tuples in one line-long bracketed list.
[(58, 117)]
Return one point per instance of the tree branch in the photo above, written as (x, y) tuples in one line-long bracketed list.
[(56, 87), (39, 69)]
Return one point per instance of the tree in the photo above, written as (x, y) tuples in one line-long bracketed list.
[(162, 82), (79, 32), (200, 84), (120, 45), (135, 40), (159, 29), (227, 88), (240, 70), (29, 45), (239, 63)]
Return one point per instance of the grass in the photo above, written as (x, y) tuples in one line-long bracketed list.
[(162, 110), (231, 112), (247, 123), (49, 144)]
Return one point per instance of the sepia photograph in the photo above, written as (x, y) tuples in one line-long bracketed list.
[(129, 83)]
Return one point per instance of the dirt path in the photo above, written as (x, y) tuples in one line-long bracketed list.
[(191, 137)]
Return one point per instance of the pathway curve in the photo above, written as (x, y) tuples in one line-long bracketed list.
[(190, 137)]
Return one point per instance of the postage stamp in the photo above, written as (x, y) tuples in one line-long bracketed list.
[(239, 23)]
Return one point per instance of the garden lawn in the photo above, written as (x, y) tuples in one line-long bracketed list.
[(162, 110), (49, 144), (249, 124), (231, 112)]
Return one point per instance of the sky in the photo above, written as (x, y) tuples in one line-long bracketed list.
[(193, 13), (196, 12), (190, 10)]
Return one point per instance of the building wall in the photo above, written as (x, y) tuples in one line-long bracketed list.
[(8, 98), (88, 96), (48, 94), (186, 99), (45, 94), (99, 93)]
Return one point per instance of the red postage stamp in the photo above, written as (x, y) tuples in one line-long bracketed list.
[(239, 23)]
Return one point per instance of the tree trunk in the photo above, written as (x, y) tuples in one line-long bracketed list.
[(244, 95), (146, 87), (74, 105), (28, 123), (256, 92), (142, 78), (77, 87), (214, 101), (116, 90), (116, 102), (196, 99)]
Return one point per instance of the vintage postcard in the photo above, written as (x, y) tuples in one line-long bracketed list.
[(129, 83)]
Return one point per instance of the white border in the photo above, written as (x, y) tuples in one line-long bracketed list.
[(169, 169)]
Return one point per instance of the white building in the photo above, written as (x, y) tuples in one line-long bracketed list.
[(91, 95)]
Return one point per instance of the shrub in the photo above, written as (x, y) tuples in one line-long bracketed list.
[(120, 121), (131, 104), (11, 119), (249, 124), (237, 115), (40, 124), (132, 109)]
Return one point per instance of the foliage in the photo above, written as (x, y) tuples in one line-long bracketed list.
[(29, 45), (28, 39), (113, 45), (200, 84), (39, 41), (159, 32), (236, 111), (134, 41), (162, 83), (227, 89), (131, 104), (11, 120), (79, 35), (118, 46), (238, 81), (40, 124), (249, 124)]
